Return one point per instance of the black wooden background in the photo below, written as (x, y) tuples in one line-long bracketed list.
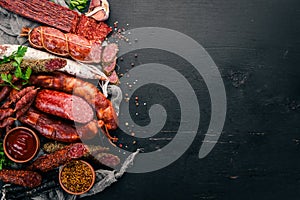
[(256, 46)]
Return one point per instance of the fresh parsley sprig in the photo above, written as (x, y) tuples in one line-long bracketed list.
[(4, 161), (80, 5), (17, 58)]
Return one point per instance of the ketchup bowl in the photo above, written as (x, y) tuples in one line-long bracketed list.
[(21, 144)]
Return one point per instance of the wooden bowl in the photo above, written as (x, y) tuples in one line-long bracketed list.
[(75, 175), (25, 139)]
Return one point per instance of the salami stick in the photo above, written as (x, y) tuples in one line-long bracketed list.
[(4, 93), (26, 99), (7, 122), (96, 153), (16, 97), (6, 112), (21, 177), (12, 93), (51, 161), (23, 110), (45, 12), (51, 147)]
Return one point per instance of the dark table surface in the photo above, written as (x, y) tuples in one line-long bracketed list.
[(256, 47)]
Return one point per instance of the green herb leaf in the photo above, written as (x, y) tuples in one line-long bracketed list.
[(17, 56), (5, 59), (80, 5), (15, 64), (9, 77), (4, 77), (21, 51), (4, 161), (28, 73), (18, 60), (18, 72)]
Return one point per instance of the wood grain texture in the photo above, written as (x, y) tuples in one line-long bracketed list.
[(256, 45)]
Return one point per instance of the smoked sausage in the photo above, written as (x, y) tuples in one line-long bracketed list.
[(4, 92), (69, 44), (59, 43), (56, 129), (21, 177), (104, 109), (64, 105), (51, 161)]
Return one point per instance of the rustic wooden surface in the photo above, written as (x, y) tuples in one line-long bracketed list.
[(256, 46)]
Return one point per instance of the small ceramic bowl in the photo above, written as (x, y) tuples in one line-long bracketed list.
[(21, 144), (73, 174)]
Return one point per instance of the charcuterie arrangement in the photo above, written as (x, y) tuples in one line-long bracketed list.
[(49, 104)]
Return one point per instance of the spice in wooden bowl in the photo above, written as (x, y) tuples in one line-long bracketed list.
[(77, 177)]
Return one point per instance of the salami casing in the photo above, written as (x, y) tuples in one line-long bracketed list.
[(59, 43)]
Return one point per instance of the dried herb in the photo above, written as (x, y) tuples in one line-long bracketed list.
[(41, 65), (77, 177)]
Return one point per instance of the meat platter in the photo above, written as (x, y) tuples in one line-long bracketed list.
[(49, 88)]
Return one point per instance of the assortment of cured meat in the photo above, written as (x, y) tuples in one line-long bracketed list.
[(103, 107), (51, 14), (57, 96), (72, 34)]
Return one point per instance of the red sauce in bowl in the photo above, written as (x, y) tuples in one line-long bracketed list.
[(21, 144)]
